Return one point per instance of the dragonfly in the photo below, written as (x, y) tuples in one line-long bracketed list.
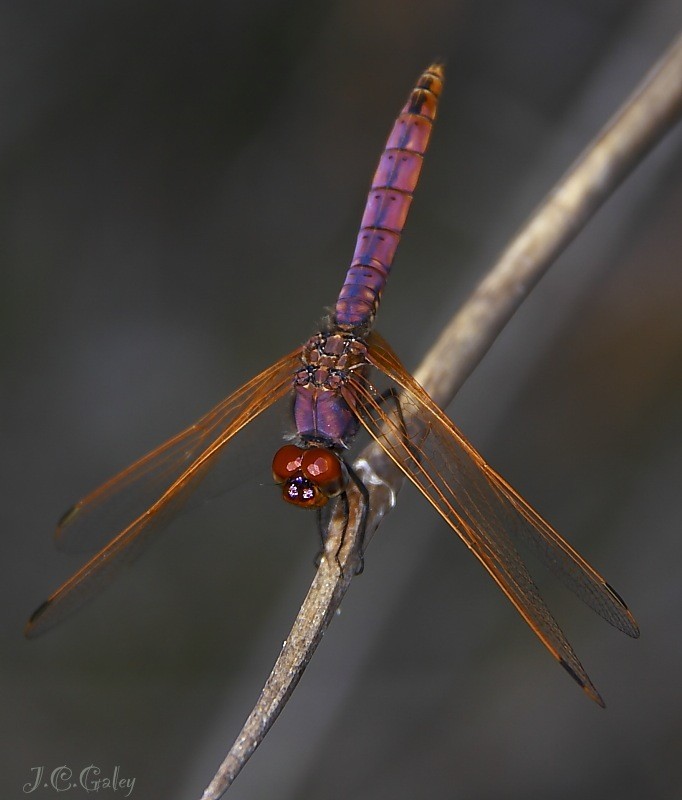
[(330, 384)]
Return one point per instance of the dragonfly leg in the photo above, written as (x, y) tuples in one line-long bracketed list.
[(364, 493), (393, 396), (325, 515), (324, 518)]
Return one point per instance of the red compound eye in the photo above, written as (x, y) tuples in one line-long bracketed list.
[(324, 469), (287, 462), (310, 476)]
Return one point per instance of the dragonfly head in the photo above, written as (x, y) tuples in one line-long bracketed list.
[(309, 476)]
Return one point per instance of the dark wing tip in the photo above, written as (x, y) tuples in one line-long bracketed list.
[(29, 629), (588, 688), (66, 516), (632, 629)]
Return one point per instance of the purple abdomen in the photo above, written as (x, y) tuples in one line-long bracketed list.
[(388, 203)]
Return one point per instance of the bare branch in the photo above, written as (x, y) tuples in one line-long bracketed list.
[(640, 123), (334, 574)]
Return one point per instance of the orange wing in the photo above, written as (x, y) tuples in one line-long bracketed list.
[(141, 500), (483, 509)]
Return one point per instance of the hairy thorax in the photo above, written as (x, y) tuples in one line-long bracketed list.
[(328, 362)]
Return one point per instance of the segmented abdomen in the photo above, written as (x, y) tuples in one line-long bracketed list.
[(388, 203)]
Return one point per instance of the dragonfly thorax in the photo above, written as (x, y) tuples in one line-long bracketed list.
[(330, 363), (329, 358)]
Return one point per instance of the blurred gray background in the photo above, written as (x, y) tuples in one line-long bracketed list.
[(180, 189)]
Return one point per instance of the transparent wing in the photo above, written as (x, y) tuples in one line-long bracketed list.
[(97, 518), (142, 500), (483, 509)]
